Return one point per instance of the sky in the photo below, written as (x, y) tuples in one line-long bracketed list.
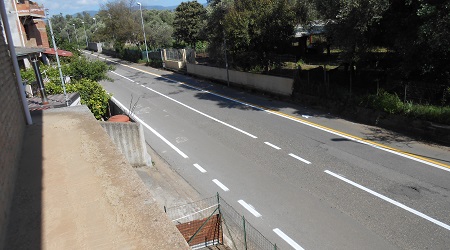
[(70, 7)]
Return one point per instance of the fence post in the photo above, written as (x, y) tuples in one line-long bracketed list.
[(404, 98), (245, 233)]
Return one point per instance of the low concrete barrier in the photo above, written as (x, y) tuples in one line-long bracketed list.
[(174, 64), (129, 138), (271, 84)]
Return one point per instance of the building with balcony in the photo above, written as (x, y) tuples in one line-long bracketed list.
[(28, 19)]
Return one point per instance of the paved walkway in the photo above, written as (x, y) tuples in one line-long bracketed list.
[(75, 191)]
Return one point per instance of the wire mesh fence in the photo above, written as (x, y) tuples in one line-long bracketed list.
[(220, 219), (239, 232), (174, 54), (192, 211)]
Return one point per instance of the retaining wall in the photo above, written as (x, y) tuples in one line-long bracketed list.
[(272, 84), (129, 139)]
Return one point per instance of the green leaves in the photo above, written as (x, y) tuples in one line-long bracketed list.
[(189, 22), (91, 93), (85, 75), (254, 29)]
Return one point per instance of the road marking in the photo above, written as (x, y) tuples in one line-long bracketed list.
[(208, 116), (149, 128), (197, 111), (250, 208), (199, 168), (398, 204), (300, 158), (385, 148), (123, 76), (273, 146), (223, 187), (288, 239)]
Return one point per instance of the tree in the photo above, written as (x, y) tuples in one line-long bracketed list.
[(256, 28), (158, 28), (216, 11), (355, 25), (189, 21), (120, 22)]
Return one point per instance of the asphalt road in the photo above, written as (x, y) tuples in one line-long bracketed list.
[(303, 178)]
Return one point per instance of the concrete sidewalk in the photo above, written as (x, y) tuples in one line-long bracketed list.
[(74, 190)]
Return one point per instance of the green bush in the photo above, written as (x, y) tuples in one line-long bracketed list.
[(95, 70), (155, 63), (91, 92), (430, 113), (77, 68), (389, 103)]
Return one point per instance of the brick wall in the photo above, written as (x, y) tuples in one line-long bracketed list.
[(12, 128)]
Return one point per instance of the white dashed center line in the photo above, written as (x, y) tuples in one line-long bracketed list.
[(288, 239), (250, 208), (273, 146), (300, 158), (199, 168), (223, 187)]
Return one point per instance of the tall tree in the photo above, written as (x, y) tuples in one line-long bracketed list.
[(256, 28), (120, 20), (189, 21)]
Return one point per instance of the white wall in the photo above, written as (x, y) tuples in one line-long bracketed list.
[(271, 84)]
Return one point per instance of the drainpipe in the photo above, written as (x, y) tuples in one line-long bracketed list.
[(12, 51)]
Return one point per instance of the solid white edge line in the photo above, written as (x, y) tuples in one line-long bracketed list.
[(396, 203), (199, 168), (287, 239), (295, 120), (273, 146), (249, 208), (149, 128), (299, 158), (122, 76), (223, 187), (195, 110)]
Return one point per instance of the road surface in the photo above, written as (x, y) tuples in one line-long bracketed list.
[(305, 179)]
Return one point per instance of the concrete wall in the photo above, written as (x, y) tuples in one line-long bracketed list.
[(12, 128), (271, 84), (129, 139), (97, 47), (174, 64)]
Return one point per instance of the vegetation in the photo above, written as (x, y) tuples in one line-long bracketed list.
[(391, 104), (91, 92), (189, 22), (406, 40), (84, 74)]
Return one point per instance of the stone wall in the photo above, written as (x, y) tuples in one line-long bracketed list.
[(12, 128)]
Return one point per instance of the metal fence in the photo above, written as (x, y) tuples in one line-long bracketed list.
[(238, 233), (174, 54)]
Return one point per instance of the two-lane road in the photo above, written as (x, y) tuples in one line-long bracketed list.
[(303, 185)]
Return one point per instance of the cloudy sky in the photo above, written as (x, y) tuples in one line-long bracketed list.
[(74, 6)]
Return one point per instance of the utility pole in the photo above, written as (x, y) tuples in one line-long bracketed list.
[(143, 30), (57, 59)]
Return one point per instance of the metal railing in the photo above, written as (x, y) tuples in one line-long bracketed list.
[(238, 233)]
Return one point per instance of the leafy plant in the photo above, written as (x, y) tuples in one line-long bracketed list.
[(91, 92), (95, 70), (389, 103)]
